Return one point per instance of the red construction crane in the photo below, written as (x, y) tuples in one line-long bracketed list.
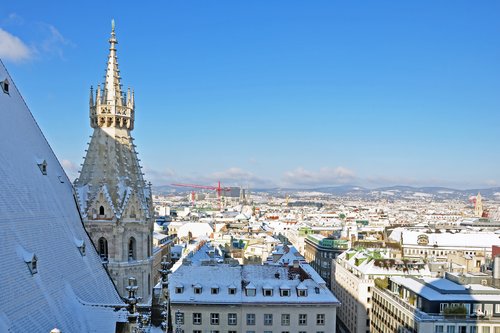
[(218, 189)]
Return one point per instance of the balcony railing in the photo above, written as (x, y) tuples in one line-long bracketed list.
[(424, 316)]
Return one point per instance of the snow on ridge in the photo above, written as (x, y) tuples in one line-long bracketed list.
[(422, 194)]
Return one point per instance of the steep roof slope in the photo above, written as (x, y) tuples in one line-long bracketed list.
[(39, 219)]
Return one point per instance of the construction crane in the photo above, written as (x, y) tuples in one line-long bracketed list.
[(217, 188)]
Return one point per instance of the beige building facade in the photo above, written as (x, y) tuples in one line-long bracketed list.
[(251, 298)]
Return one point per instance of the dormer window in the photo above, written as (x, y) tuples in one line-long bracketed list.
[(250, 290), (197, 289), (179, 289), (5, 86), (214, 290), (232, 291), (31, 261), (42, 164), (284, 291), (301, 290), (80, 244), (33, 265), (267, 291)]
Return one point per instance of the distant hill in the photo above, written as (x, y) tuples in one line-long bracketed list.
[(399, 192), (390, 192)]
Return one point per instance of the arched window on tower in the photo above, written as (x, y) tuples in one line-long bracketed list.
[(149, 248), (101, 210), (103, 248), (131, 249)]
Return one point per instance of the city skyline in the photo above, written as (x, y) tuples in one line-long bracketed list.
[(279, 94)]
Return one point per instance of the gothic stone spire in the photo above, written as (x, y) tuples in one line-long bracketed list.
[(114, 200), (111, 159), (112, 108)]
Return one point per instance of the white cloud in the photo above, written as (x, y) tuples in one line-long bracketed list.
[(230, 177), (13, 19), (491, 182), (233, 174), (70, 168), (45, 40), (50, 41), (160, 177), (239, 177), (323, 177), (12, 48)]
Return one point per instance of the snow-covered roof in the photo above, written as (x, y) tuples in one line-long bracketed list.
[(379, 263), (39, 218), (459, 239), (441, 289), (256, 277), (159, 236), (197, 229)]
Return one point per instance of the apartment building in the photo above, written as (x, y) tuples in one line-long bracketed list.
[(354, 273), (435, 305), (438, 245), (251, 298), (320, 251)]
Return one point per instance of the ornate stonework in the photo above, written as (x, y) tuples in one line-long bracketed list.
[(114, 200)]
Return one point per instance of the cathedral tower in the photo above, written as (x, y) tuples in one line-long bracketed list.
[(114, 200), (478, 207)]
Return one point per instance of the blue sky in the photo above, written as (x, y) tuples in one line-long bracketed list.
[(274, 93)]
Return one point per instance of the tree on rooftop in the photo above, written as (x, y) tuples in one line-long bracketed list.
[(382, 283), (459, 310)]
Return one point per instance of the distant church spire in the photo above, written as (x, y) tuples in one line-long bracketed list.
[(478, 207)]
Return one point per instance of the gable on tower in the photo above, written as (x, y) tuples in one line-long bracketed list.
[(101, 206)]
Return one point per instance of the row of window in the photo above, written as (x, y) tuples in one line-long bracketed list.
[(198, 290), (132, 248), (463, 329), (284, 292), (232, 319), (32, 260), (477, 308)]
